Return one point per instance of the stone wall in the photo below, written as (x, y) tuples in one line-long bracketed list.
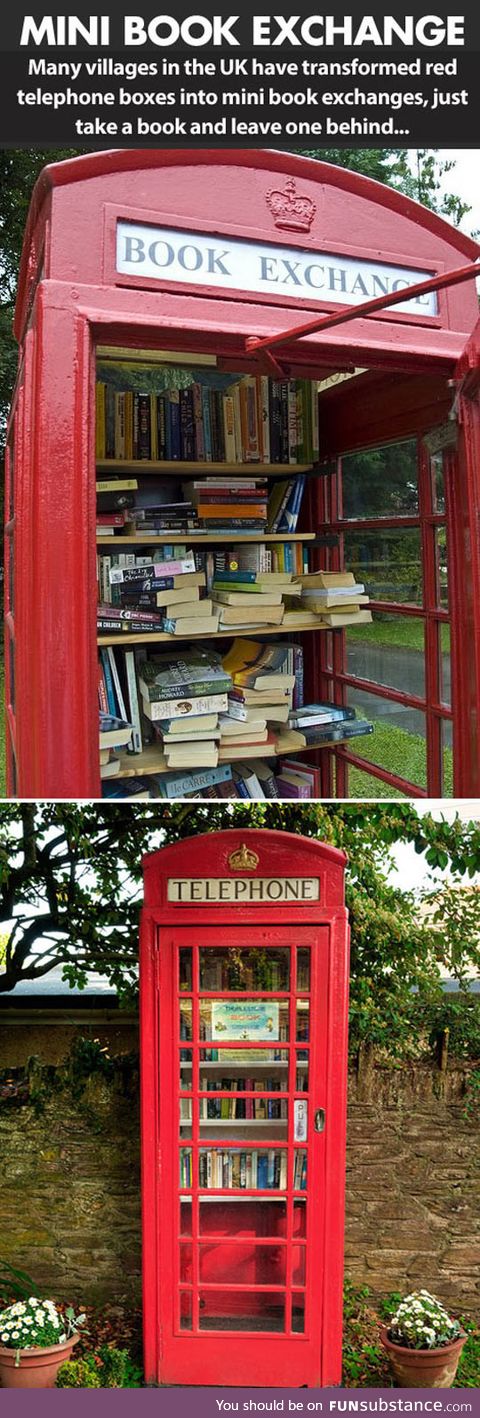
[(69, 1170)]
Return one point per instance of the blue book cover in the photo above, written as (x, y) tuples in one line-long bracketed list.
[(111, 699), (289, 517), (249, 577), (262, 1171), (173, 785)]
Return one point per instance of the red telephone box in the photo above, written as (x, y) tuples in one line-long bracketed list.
[(98, 278), (244, 980)]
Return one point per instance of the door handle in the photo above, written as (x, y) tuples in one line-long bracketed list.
[(319, 1120)]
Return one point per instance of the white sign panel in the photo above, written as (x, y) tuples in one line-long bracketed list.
[(156, 253), (243, 889)]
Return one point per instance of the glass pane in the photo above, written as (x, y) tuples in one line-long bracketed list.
[(259, 1217), (441, 558), (302, 1072), (185, 1114), (298, 1313), (244, 969), (185, 1217), (185, 1166), (186, 1262), (186, 1019), (186, 1072), (185, 969), (388, 562), (246, 1264), (255, 1060), (300, 1170), (262, 1169), (250, 1310), (185, 1309), (382, 482), (365, 785), (303, 969), (252, 1020), (303, 1019), (445, 667), (398, 742), (447, 759), (390, 651), (298, 1265), (438, 483), (300, 1218), (11, 575), (11, 501)]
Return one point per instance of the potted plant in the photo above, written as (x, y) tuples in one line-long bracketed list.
[(35, 1338), (423, 1343)]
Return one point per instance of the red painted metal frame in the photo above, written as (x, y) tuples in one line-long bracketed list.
[(275, 1359), (71, 308)]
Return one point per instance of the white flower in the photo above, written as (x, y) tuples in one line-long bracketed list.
[(33, 1300), (28, 1320), (20, 1309), (55, 1321), (5, 1338), (39, 1317), (15, 1334)]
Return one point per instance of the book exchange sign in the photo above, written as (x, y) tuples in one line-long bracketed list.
[(265, 890), (156, 253)]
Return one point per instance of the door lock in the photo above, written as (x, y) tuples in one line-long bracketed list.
[(319, 1119)]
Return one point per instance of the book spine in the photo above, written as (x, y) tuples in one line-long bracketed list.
[(161, 429), (109, 422), (117, 686), (174, 424), (229, 428), (292, 422), (198, 423), (120, 426), (207, 425), (298, 670), (136, 742), (264, 402), (100, 421), (153, 428)]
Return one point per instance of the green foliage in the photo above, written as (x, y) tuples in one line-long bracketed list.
[(70, 879), (468, 1373), (15, 1284), (472, 1100), (109, 1368)]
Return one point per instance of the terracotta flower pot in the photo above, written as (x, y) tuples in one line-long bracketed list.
[(423, 1368), (38, 1368)]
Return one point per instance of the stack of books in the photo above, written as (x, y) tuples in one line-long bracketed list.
[(157, 596), (220, 506), (183, 696), (250, 599), (336, 597), (264, 680), (210, 418), (114, 733)]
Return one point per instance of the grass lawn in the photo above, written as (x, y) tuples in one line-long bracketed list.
[(400, 634), (401, 753)]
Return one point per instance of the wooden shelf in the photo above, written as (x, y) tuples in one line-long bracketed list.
[(203, 538), (229, 633), (190, 469), (236, 1122), (139, 765)]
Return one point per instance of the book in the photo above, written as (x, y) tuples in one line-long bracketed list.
[(183, 675), (235, 732), (184, 707), (249, 663), (361, 617), (202, 755), (241, 615), (155, 571), (310, 714), (175, 728), (206, 625), (114, 732), (179, 784), (254, 599), (229, 750)]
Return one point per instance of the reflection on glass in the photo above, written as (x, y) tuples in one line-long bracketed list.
[(186, 1071), (262, 1311), (242, 969), (390, 651), (441, 564), (438, 483), (185, 1309), (303, 969), (185, 1217), (300, 1218), (398, 742), (445, 667), (186, 1263), (303, 1019), (381, 482), (246, 1264), (300, 1170), (388, 562), (298, 1265), (185, 968), (255, 1060), (258, 1217), (298, 1313), (302, 1071), (186, 1017), (186, 1167), (262, 1169)]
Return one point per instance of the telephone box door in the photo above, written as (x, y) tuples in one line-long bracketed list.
[(242, 1029)]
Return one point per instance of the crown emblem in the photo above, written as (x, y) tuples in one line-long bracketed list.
[(243, 859), (290, 211)]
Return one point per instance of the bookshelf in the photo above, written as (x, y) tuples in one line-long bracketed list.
[(139, 765), (122, 638), (203, 538), (185, 469)]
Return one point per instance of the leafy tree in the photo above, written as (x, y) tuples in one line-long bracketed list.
[(70, 892)]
